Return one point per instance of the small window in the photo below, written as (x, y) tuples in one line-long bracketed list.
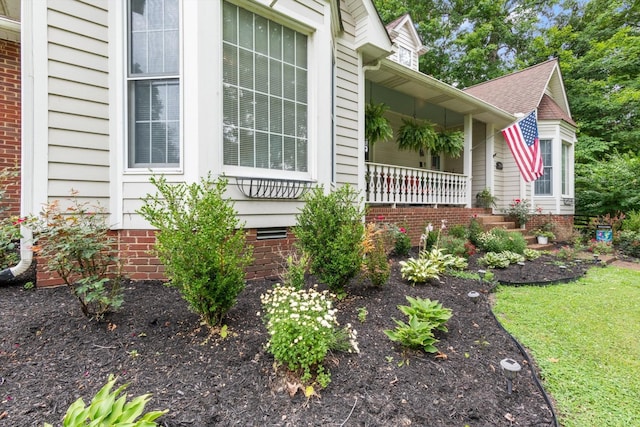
[(154, 83), (435, 162), (566, 191), (543, 185)]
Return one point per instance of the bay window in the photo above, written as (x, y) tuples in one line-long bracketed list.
[(264, 93)]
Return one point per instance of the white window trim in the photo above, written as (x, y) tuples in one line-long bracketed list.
[(124, 97)]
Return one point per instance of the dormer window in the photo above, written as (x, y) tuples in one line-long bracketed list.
[(404, 56)]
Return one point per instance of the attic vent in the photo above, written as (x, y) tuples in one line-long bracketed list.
[(271, 233), (267, 188)]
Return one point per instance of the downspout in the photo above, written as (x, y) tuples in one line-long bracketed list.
[(26, 257)]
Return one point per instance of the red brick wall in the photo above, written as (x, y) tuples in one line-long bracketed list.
[(10, 119), (138, 263), (416, 218)]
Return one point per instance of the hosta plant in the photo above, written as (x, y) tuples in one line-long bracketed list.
[(513, 257), (302, 328), (420, 270), (109, 409), (531, 254), (425, 316), (494, 260)]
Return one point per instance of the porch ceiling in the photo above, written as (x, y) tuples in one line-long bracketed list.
[(402, 79)]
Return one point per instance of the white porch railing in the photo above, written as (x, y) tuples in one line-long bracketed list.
[(400, 185)]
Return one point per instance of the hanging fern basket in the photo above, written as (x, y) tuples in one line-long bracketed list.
[(376, 126), (450, 143), (414, 135)]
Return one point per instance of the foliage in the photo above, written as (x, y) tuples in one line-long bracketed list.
[(109, 409), (9, 237), (450, 143), (608, 187), (376, 126), (420, 270), (302, 328), (475, 231), (402, 243), (454, 246), (495, 260), (571, 331), (376, 265), (200, 242), (414, 135), (76, 244), (330, 230), (500, 240), (485, 199), (543, 233), (631, 221), (629, 243), (531, 254), (459, 231), (295, 268), (599, 247), (425, 316), (520, 211)]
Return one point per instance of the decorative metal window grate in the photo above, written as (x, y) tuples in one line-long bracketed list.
[(269, 188)]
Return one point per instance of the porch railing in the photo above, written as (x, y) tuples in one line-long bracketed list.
[(400, 185)]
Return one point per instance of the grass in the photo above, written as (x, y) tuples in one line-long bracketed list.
[(584, 338)]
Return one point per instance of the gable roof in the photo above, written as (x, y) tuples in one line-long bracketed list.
[(537, 87), (394, 27)]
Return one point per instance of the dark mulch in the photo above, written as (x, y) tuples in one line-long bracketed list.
[(50, 355)]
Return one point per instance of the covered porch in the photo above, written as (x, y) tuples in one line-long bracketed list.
[(422, 177)]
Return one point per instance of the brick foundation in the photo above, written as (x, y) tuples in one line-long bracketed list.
[(10, 122)]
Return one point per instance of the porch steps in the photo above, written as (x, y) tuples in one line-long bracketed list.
[(493, 221)]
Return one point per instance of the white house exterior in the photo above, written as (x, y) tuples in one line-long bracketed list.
[(268, 93)]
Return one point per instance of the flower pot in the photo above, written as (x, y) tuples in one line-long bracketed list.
[(542, 240)]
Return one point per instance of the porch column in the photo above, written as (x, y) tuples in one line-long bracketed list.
[(490, 162), (466, 158)]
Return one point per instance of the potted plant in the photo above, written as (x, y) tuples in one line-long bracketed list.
[(485, 199), (543, 236), (414, 135), (376, 125)]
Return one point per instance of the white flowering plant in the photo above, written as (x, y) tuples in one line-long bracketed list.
[(302, 326)]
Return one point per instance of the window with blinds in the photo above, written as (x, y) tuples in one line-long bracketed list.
[(154, 83), (264, 93)]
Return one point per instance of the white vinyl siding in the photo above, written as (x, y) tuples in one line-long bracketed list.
[(77, 119)]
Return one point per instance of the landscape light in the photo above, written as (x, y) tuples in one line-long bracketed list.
[(474, 296), (510, 369), (481, 273), (596, 258)]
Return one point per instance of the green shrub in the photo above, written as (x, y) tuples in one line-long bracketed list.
[(376, 265), (425, 316), (631, 221), (201, 243), (500, 240), (459, 231), (453, 245), (302, 328), (475, 231), (9, 227), (109, 410), (402, 244), (629, 243), (330, 230), (294, 270), (76, 244)]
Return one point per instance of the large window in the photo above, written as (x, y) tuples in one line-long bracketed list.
[(154, 83), (543, 185), (264, 93)]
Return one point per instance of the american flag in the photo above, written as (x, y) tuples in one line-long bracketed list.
[(522, 139)]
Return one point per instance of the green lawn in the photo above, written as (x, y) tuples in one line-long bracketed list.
[(585, 337)]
